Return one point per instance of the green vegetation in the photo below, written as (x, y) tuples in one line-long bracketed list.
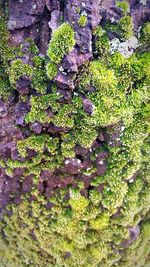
[(18, 69), (82, 20), (102, 45), (126, 27), (88, 222), (124, 6), (51, 70), (61, 43)]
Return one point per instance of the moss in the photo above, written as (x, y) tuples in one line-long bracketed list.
[(51, 70), (82, 21), (38, 144), (78, 230), (39, 105), (39, 79), (124, 6), (62, 42), (77, 202), (64, 118), (145, 33), (68, 146), (102, 45), (100, 222), (18, 69), (126, 27), (78, 10)]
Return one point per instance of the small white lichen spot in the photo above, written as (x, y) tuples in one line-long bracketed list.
[(122, 128), (114, 44), (34, 6), (112, 19), (67, 162), (61, 68), (79, 161), (101, 162), (143, 2), (84, 13), (127, 48), (83, 4)]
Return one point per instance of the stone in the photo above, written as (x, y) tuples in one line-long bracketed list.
[(64, 82)]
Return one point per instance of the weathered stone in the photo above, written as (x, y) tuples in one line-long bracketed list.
[(3, 109), (63, 82), (36, 127), (23, 85)]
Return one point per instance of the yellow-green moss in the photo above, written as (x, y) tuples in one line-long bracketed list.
[(82, 21), (62, 42)]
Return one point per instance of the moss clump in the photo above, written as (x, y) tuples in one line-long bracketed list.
[(39, 106), (124, 6), (100, 222), (102, 45), (77, 202), (61, 43), (82, 21), (51, 70), (18, 69), (39, 78), (126, 27), (145, 34)]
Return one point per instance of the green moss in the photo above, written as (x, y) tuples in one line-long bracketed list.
[(124, 6), (102, 45), (78, 230), (145, 34), (126, 27), (51, 70), (77, 202), (38, 144), (18, 69), (39, 105), (82, 21), (39, 78), (62, 42), (100, 222)]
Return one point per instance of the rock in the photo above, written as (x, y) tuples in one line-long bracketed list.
[(55, 18), (23, 85), (36, 127), (74, 60), (24, 14), (134, 233), (84, 40), (63, 82), (88, 106), (21, 109), (72, 166), (52, 5), (3, 109)]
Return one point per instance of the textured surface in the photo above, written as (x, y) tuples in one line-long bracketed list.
[(74, 133)]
